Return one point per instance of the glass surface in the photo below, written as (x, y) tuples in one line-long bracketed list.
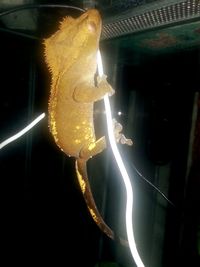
[(156, 79)]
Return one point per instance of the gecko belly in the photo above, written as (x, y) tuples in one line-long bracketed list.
[(72, 128)]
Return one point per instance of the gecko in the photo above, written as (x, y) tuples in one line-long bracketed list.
[(71, 56)]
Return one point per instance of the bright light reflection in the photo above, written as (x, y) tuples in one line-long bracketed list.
[(126, 179), (23, 131)]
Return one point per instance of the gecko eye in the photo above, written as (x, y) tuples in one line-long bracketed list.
[(92, 26)]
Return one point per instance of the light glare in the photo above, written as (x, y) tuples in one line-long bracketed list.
[(23, 131), (126, 179)]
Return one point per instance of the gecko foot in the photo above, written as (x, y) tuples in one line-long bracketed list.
[(119, 137), (102, 83)]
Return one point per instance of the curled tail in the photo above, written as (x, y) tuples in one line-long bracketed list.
[(81, 171)]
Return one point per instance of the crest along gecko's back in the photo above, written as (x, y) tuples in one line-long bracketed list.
[(71, 54)]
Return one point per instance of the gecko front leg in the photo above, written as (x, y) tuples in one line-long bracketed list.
[(87, 92)]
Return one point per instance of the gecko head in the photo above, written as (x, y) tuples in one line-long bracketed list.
[(75, 37), (90, 22)]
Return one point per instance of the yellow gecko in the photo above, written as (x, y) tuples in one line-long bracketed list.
[(71, 55)]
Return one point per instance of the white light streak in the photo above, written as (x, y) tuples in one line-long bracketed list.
[(23, 131), (126, 179)]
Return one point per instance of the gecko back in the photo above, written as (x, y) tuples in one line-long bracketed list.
[(71, 54)]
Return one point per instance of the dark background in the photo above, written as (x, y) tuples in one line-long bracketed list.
[(44, 219)]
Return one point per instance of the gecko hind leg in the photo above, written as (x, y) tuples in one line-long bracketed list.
[(91, 149)]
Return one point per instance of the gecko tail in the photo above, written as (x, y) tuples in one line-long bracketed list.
[(81, 171)]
